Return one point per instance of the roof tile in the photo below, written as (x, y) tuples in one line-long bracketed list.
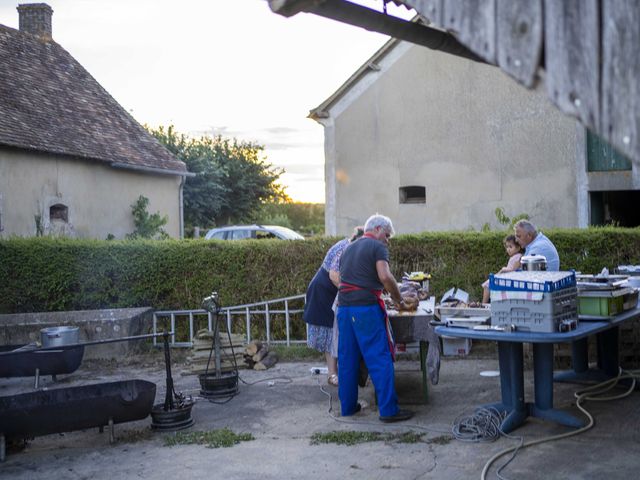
[(50, 103)]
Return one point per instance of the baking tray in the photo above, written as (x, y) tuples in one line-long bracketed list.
[(464, 311)]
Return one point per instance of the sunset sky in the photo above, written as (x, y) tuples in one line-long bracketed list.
[(229, 67)]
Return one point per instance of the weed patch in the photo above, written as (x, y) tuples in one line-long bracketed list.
[(212, 439), (441, 440), (354, 438)]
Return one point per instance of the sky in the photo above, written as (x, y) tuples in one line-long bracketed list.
[(229, 67)]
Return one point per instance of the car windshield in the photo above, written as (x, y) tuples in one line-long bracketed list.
[(285, 233)]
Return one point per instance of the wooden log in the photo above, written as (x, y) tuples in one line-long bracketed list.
[(261, 354), (253, 347), (267, 362), (248, 361)]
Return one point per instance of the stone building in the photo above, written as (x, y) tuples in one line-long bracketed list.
[(72, 160)]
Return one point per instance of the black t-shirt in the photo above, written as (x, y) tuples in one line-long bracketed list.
[(358, 267)]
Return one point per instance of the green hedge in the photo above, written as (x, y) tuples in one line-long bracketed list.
[(45, 274)]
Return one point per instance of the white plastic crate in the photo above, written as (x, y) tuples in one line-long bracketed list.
[(541, 312), (452, 346)]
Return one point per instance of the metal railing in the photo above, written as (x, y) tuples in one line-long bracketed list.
[(267, 309)]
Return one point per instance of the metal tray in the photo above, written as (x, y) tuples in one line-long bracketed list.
[(464, 311)]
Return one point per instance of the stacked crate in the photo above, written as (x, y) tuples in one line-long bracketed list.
[(537, 301)]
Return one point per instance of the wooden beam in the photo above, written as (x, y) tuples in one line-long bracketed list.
[(360, 16)]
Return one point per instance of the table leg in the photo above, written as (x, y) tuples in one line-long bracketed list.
[(543, 388), (513, 386), (608, 359), (608, 355), (580, 355), (423, 367)]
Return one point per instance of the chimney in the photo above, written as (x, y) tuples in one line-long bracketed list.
[(35, 18)]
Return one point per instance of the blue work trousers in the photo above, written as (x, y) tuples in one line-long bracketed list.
[(362, 332)]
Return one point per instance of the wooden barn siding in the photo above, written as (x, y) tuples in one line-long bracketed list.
[(591, 50)]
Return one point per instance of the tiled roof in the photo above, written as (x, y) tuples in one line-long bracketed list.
[(50, 103)]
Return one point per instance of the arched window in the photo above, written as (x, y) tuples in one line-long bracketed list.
[(59, 212), (413, 194)]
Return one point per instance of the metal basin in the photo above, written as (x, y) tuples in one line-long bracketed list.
[(16, 361), (75, 408)]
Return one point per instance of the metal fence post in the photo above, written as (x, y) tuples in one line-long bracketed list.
[(286, 322), (248, 318)]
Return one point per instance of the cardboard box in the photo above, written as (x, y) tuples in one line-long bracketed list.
[(456, 346)]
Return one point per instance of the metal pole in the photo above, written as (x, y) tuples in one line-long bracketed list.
[(168, 398), (287, 322)]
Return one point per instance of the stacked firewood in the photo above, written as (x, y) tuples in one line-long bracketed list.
[(258, 357), (202, 344)]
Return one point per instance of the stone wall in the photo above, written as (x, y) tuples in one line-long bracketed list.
[(24, 328)]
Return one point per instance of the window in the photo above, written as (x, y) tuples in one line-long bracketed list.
[(262, 234), (219, 235), (240, 234), (413, 194), (59, 212)]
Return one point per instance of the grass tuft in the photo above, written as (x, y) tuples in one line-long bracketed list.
[(354, 438), (212, 439)]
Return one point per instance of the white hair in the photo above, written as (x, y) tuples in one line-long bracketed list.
[(381, 221), (527, 226)]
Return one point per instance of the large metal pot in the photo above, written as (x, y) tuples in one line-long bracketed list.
[(59, 336), (532, 263)]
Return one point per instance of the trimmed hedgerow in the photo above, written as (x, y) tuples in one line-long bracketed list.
[(47, 274)]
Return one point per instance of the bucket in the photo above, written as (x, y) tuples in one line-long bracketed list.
[(59, 336)]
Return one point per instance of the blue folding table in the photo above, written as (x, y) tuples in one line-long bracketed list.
[(510, 360)]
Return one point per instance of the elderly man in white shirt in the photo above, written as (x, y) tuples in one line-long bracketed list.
[(536, 243)]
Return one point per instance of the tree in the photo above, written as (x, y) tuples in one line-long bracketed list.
[(306, 218), (232, 179)]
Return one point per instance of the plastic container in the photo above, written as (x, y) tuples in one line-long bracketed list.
[(539, 281), (630, 300), (600, 306), (554, 312), (452, 346)]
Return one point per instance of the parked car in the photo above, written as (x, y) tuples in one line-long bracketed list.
[(243, 232)]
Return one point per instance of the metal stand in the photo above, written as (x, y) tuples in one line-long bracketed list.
[(219, 384), (175, 412)]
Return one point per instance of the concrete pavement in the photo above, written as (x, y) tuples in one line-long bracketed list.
[(282, 407)]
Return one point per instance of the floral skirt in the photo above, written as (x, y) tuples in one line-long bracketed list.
[(320, 338)]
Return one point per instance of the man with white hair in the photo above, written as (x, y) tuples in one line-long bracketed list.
[(536, 243), (363, 323)]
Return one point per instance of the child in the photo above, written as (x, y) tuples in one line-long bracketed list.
[(515, 253)]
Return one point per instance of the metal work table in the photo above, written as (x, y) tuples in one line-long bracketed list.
[(512, 371), (410, 328)]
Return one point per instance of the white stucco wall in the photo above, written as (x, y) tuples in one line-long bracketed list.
[(472, 136), (98, 197)]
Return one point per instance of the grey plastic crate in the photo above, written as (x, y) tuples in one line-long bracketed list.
[(557, 311)]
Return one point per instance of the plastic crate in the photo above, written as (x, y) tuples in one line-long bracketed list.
[(554, 312), (539, 281), (630, 301), (600, 306)]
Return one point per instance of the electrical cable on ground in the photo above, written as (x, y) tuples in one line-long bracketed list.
[(586, 394)]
